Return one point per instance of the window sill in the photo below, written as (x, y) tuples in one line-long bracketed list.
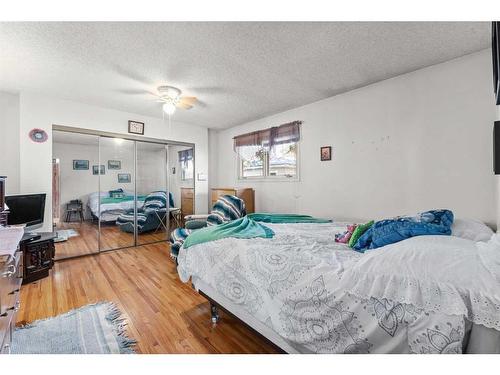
[(263, 179)]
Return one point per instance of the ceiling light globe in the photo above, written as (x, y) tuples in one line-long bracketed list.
[(169, 108)]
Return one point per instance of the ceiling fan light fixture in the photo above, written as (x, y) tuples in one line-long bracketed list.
[(169, 108), (169, 92)]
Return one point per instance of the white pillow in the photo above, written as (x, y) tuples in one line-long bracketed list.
[(470, 229)]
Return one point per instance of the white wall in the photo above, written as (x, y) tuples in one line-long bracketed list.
[(38, 111), (151, 170), (9, 140), (213, 150), (415, 142), (78, 184)]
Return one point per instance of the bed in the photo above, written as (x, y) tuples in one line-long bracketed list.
[(308, 294), (111, 208)]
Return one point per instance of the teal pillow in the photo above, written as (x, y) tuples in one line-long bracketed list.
[(358, 232)]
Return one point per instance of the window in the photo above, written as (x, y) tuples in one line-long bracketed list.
[(252, 161), (186, 164), (270, 153), (283, 160)]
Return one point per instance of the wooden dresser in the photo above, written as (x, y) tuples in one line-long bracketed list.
[(187, 201), (247, 194), (11, 276)]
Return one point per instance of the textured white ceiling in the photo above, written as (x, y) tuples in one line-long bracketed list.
[(239, 71)]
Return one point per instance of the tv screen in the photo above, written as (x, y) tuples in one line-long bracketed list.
[(495, 49), (26, 209)]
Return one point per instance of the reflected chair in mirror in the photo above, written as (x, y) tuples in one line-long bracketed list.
[(150, 217), (74, 207), (227, 208)]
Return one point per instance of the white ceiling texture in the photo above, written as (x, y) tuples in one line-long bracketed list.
[(239, 71)]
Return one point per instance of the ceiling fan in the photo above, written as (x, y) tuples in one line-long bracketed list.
[(171, 98)]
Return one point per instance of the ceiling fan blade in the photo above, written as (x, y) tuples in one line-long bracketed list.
[(184, 105), (190, 100), (133, 92)]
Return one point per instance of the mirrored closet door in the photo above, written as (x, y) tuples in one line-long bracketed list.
[(118, 205), (181, 183), (75, 194), (152, 192), (111, 193)]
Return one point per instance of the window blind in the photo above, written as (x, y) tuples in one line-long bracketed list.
[(267, 138)]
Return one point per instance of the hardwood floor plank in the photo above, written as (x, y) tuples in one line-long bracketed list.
[(111, 238), (163, 314)]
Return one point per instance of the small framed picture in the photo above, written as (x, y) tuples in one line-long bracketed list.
[(136, 127), (114, 164), (80, 165), (95, 169), (326, 153), (124, 178)]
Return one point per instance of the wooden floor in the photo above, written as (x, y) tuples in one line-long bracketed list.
[(163, 314), (111, 238)]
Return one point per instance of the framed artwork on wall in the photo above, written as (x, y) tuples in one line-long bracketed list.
[(326, 153), (80, 165), (136, 127), (124, 178), (114, 164), (95, 169)]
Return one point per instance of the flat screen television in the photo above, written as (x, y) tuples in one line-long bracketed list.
[(495, 48), (26, 209)]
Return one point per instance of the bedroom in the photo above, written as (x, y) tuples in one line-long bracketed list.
[(208, 202)]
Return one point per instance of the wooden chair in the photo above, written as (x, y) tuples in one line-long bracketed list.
[(74, 207)]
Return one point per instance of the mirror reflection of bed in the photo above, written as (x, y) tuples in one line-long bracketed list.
[(96, 182)]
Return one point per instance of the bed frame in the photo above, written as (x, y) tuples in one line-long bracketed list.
[(220, 302), (485, 340), (215, 318)]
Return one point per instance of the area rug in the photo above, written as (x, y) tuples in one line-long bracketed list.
[(65, 234), (91, 329)]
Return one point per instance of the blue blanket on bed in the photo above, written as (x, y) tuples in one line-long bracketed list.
[(385, 232)]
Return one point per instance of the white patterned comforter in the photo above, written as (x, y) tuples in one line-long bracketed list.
[(292, 283), (110, 211)]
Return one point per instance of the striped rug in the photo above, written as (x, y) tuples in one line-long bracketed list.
[(91, 329)]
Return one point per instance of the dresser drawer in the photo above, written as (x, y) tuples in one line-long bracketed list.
[(7, 322), (10, 283), (14, 288), (187, 206), (5, 348), (187, 193)]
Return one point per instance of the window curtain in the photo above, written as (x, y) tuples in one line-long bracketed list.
[(185, 155), (266, 139)]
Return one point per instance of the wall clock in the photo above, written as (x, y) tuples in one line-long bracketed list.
[(136, 127), (38, 135)]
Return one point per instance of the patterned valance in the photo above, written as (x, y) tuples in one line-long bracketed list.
[(267, 138)]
